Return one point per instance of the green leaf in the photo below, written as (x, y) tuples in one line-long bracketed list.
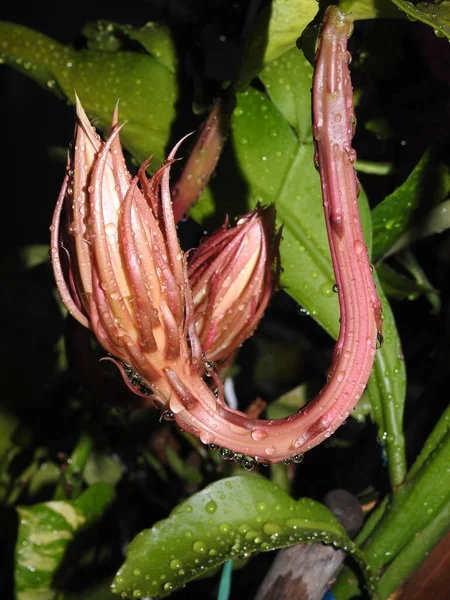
[(45, 532), (362, 409), (434, 439), (411, 265), (231, 518), (391, 217), (156, 39), (101, 467), (387, 391), (435, 221), (435, 14), (412, 510), (399, 286), (146, 89), (275, 31), (288, 403), (371, 9), (288, 82), (412, 556)]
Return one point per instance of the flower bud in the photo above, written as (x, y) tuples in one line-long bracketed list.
[(233, 275), (126, 276)]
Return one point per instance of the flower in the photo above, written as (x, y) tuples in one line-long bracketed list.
[(127, 273), (233, 275), (128, 282)]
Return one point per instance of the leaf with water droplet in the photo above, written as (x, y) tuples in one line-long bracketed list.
[(275, 31), (155, 38), (251, 515), (45, 532), (434, 14), (392, 217), (288, 82), (146, 88)]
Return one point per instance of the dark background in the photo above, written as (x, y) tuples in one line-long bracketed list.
[(407, 81)]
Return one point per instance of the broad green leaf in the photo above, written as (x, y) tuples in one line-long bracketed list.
[(156, 39), (288, 82), (231, 518), (45, 532), (146, 89), (275, 31), (371, 9), (435, 14), (391, 217), (158, 42)]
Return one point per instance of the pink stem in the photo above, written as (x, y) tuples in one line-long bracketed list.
[(333, 128)]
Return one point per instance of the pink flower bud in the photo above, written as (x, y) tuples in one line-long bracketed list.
[(126, 269), (233, 275)]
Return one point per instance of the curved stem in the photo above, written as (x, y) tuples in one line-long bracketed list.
[(333, 128)]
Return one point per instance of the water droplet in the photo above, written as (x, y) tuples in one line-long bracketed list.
[(73, 228), (175, 564), (259, 434), (340, 376), (261, 506), (271, 528), (167, 415), (200, 547), (206, 437), (358, 246), (211, 507), (110, 229), (226, 454), (295, 523), (326, 290), (168, 586), (297, 458), (224, 528)]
